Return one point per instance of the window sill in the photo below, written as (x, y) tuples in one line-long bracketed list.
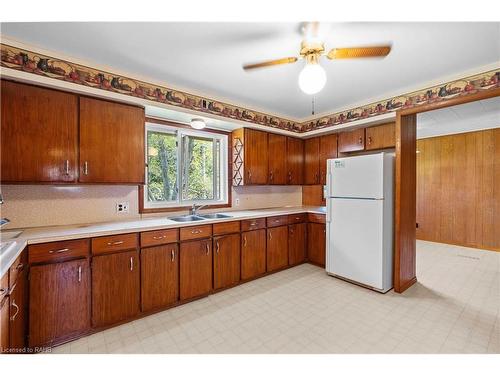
[(143, 210)]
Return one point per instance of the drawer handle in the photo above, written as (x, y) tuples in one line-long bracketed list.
[(59, 251), (115, 243), (297, 218), (277, 220), (79, 274), (360, 140), (196, 231), (12, 318), (253, 224), (369, 140), (172, 255), (159, 237)]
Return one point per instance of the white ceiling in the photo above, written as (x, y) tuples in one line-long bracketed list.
[(483, 114), (206, 58)]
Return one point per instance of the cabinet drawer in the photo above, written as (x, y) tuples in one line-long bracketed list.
[(58, 251), (226, 228), (199, 231), (110, 244), (316, 218), (159, 237), (17, 267), (253, 224), (276, 221), (297, 218)]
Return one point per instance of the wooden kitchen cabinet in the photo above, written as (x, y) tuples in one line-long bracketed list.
[(297, 235), (195, 268), (311, 161), (295, 161), (227, 255), (253, 254), (111, 142), (115, 287), (316, 243), (277, 248), (327, 150), (39, 130), (382, 136), (4, 314), (59, 305), (353, 140), (159, 276), (277, 159), (19, 312), (253, 167)]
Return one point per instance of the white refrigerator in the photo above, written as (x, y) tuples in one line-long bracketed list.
[(359, 219)]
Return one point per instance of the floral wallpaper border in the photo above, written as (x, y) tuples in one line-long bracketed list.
[(35, 63)]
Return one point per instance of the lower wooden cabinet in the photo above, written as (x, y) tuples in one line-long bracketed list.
[(297, 234), (19, 312), (4, 324), (316, 243), (115, 287), (226, 260), (159, 276), (195, 268), (253, 253), (277, 248), (59, 301)]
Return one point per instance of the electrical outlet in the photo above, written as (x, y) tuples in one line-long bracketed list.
[(237, 201), (122, 207)]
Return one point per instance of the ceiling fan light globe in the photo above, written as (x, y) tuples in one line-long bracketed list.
[(197, 123), (312, 79)]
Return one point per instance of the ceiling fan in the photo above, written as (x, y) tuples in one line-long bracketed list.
[(312, 78)]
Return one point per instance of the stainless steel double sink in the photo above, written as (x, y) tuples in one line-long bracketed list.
[(189, 218)]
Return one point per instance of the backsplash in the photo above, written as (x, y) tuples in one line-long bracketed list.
[(44, 205)]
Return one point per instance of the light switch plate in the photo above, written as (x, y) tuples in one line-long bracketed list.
[(122, 207)]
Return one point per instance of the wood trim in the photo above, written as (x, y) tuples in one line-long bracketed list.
[(143, 210)]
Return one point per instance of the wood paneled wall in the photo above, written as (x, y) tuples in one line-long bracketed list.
[(458, 189)]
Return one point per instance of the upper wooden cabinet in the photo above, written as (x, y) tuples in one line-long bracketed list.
[(39, 130), (250, 158), (277, 159), (327, 150), (353, 140), (111, 142), (311, 161), (295, 161), (382, 136)]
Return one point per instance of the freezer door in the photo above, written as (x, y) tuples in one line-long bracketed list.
[(356, 176), (355, 240)]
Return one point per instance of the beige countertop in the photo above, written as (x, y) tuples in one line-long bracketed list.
[(61, 233)]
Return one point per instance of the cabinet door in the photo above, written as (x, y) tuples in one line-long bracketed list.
[(59, 301), (39, 130), (115, 287), (353, 140), (295, 161), (19, 312), (4, 324), (316, 243), (253, 253), (277, 159), (195, 268), (159, 276), (111, 142), (277, 248), (311, 157), (327, 150), (256, 157), (226, 260), (382, 136), (297, 243)]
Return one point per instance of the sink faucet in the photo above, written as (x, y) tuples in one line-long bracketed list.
[(194, 209), (3, 220)]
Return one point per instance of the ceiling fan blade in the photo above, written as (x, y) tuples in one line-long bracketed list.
[(286, 60), (358, 52)]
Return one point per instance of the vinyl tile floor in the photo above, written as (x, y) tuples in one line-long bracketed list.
[(454, 308)]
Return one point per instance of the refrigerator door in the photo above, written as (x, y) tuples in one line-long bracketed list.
[(355, 240), (356, 177)]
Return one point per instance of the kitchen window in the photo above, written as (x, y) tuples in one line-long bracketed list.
[(184, 167)]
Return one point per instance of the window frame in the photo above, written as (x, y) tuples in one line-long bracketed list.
[(179, 131)]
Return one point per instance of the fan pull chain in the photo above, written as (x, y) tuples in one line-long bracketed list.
[(312, 105)]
